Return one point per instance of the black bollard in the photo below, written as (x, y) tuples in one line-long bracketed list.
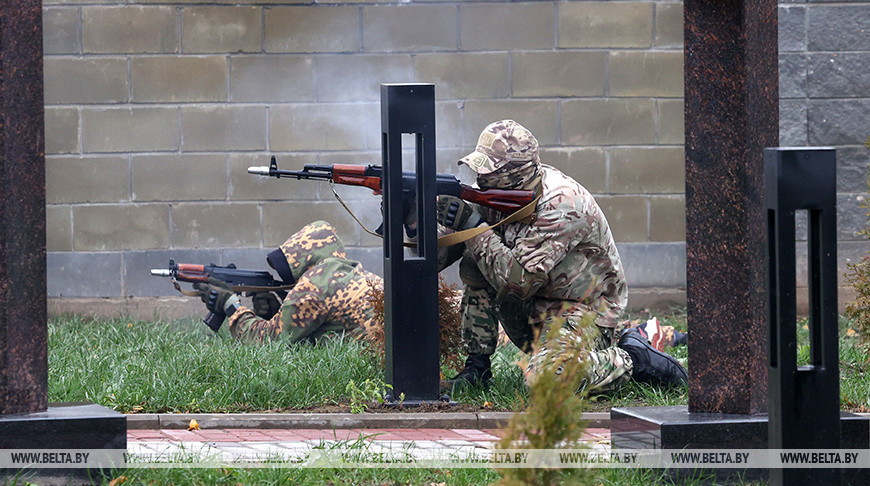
[(411, 282), (804, 401)]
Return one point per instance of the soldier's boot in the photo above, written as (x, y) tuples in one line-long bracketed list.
[(649, 364), (478, 370)]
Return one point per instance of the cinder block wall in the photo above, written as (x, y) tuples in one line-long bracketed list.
[(824, 88), (155, 109)]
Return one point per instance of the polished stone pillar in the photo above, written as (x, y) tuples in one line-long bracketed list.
[(731, 116), (23, 308)]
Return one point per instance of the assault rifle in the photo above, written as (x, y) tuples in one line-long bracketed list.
[(504, 200), (241, 280)]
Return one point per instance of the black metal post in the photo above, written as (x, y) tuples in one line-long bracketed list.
[(804, 401), (411, 282)]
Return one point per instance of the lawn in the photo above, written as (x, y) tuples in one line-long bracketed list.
[(181, 366)]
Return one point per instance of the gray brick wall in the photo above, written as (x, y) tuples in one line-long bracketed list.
[(155, 108), (824, 84)]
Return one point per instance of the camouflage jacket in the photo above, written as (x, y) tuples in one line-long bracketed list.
[(564, 260), (330, 294)]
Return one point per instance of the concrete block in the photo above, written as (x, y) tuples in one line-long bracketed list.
[(282, 219), (179, 78), (249, 187), (448, 163), (588, 166), (358, 77), (792, 28), (372, 259), (403, 28), (252, 258), (73, 274), (559, 73), (305, 29), (223, 127), (792, 123), (61, 31), (838, 122), (215, 225), (647, 170), (174, 177), (79, 80), (129, 29), (459, 75), (667, 218), (130, 129), (669, 25), (670, 115), (838, 28), (306, 127), (61, 130), (605, 24), (838, 75), (608, 122), (628, 217), (138, 281), (539, 116), (222, 28), (58, 228), (95, 179), (272, 78), (654, 264), (792, 75), (120, 227), (851, 217), (486, 27), (852, 169), (658, 74), (448, 123)]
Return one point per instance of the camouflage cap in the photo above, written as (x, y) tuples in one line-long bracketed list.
[(500, 143)]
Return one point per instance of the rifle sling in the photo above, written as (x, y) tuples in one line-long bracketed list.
[(523, 214)]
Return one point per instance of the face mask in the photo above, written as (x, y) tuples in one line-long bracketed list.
[(510, 177)]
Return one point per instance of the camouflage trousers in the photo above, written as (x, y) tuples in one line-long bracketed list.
[(606, 366)]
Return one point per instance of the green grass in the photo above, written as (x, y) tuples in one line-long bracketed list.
[(181, 366)]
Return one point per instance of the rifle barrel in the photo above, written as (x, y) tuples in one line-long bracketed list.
[(161, 272)]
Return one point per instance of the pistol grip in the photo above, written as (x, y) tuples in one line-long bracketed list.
[(214, 320)]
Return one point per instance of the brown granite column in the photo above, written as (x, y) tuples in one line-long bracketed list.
[(23, 311), (731, 103)]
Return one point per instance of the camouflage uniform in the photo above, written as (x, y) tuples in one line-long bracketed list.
[(330, 294), (550, 271)]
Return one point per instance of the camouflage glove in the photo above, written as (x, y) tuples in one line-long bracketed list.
[(217, 296), (453, 212), (266, 305), (409, 208)]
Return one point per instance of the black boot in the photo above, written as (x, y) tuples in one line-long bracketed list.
[(651, 365), (477, 370)]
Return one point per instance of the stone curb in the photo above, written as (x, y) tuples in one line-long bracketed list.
[(463, 420)]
